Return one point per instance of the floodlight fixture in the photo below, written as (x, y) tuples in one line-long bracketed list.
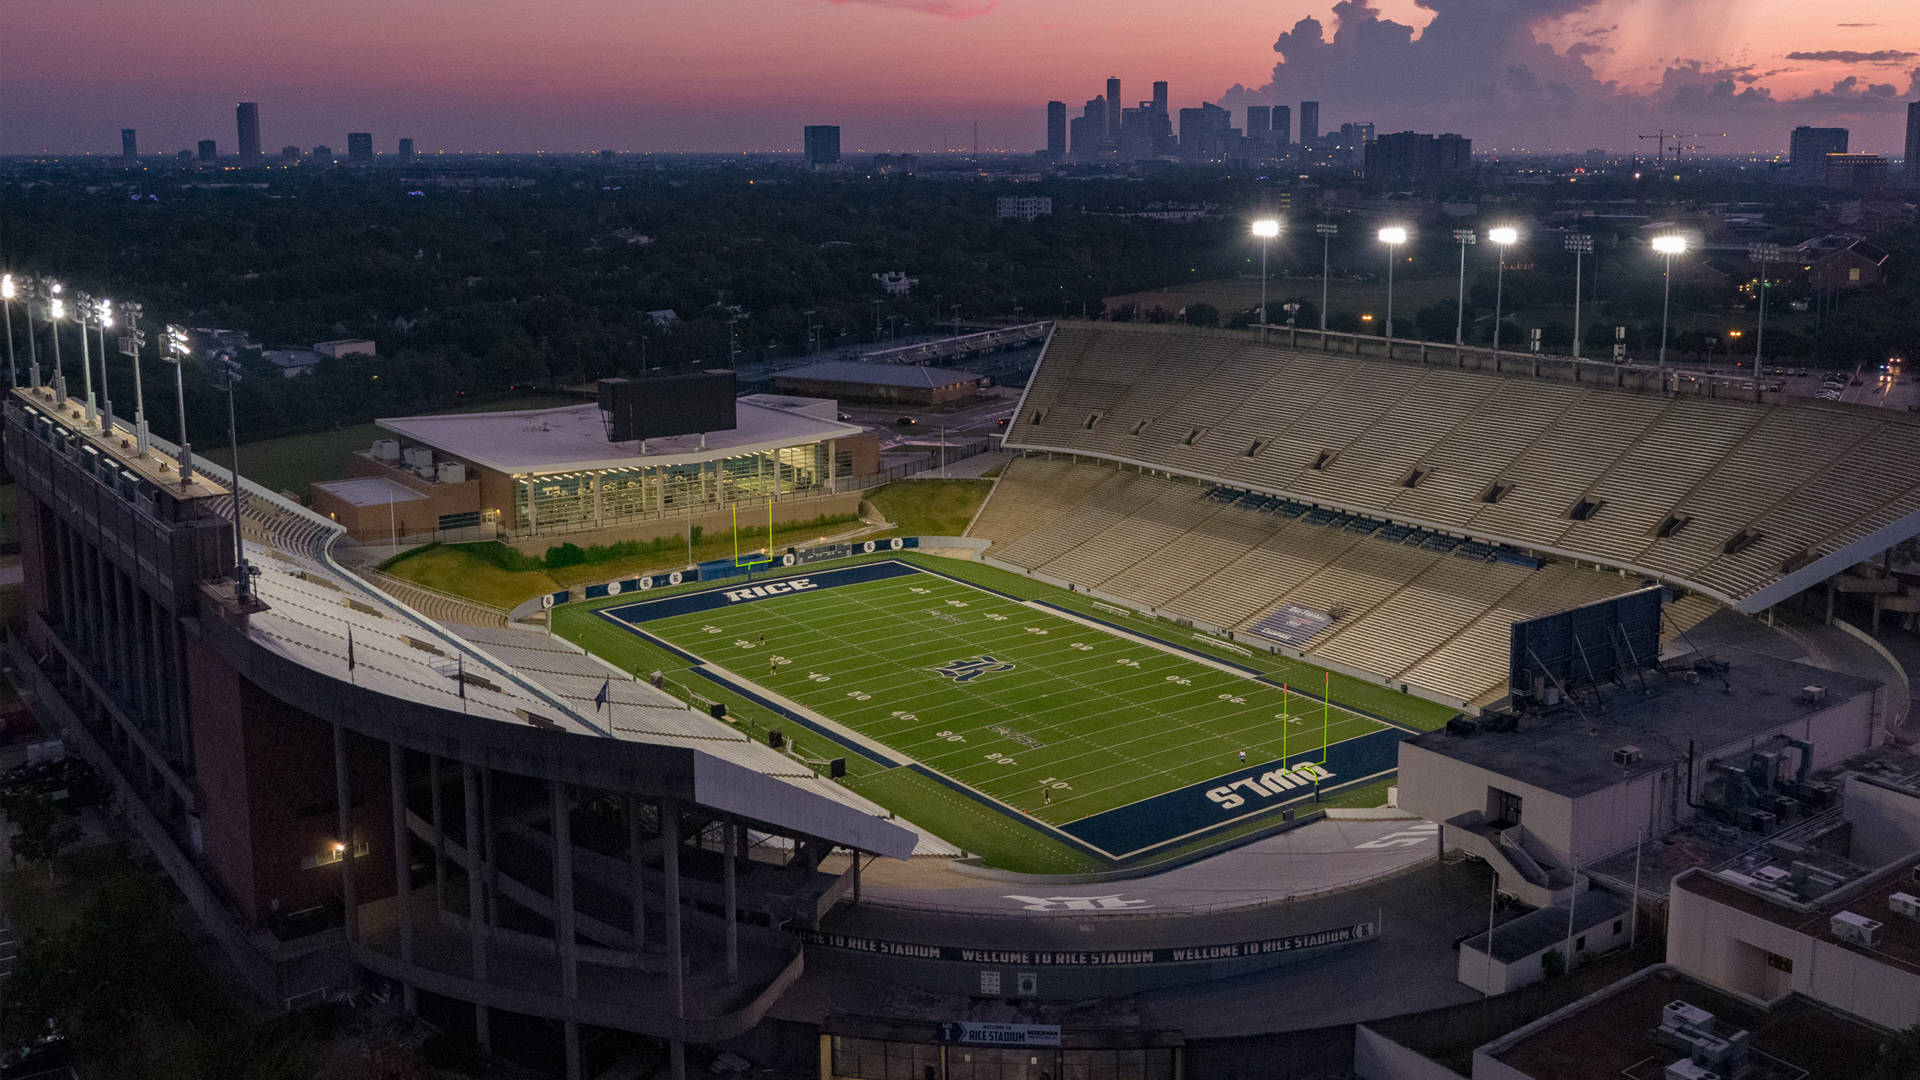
[(1671, 244), (178, 348), (1503, 235), (1266, 228), (1393, 234)]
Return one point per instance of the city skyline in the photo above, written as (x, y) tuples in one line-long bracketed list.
[(1564, 75)]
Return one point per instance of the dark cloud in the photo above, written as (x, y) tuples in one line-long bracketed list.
[(1854, 56), (1857, 24), (1852, 90), (946, 9)]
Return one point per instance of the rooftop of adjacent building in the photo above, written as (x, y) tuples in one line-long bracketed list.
[(1611, 1034), (1897, 941), (369, 491), (1570, 750), (574, 437), (1548, 926)]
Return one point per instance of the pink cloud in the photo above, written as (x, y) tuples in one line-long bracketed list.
[(945, 9)]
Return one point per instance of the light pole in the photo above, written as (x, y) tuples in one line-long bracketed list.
[(1392, 236), (1762, 254), (56, 311), (33, 347), (226, 373), (85, 308), (1327, 232), (1465, 238), (102, 320), (1670, 245), (1580, 244), (130, 341), (1505, 236), (1266, 229), (176, 352), (6, 305)]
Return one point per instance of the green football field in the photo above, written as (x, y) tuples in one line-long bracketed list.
[(1045, 715)]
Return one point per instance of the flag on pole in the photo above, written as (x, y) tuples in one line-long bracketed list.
[(349, 649), (600, 699)]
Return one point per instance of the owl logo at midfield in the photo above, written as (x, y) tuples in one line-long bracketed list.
[(972, 668)]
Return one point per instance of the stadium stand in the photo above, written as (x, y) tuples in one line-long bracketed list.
[(1744, 502), (1408, 605)]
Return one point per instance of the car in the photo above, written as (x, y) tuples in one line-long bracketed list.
[(1001, 422), (846, 416), (907, 421)]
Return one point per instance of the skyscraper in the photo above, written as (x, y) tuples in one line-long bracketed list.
[(822, 144), (247, 116), (1260, 122), (406, 149), (1088, 130), (130, 147), (209, 150), (360, 146), (1282, 125), (1309, 121), (1113, 110), (1160, 97), (1808, 147), (1913, 144), (1057, 130)]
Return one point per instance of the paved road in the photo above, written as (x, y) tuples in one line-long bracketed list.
[(1312, 859)]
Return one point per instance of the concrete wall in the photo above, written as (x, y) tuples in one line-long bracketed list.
[(1886, 822), (1437, 787), (1730, 948)]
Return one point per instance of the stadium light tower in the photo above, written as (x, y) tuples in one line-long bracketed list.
[(1506, 236), (1762, 254), (1266, 229), (1580, 244), (1465, 238), (103, 321), (176, 352), (29, 293), (1327, 232), (85, 310), (1392, 236), (56, 311), (6, 304), (226, 376), (1669, 245), (130, 341)]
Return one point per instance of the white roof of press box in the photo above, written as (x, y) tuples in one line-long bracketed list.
[(573, 437)]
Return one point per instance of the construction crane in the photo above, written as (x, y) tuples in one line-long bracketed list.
[(1663, 135)]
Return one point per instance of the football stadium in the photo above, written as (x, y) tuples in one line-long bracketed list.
[(1245, 667)]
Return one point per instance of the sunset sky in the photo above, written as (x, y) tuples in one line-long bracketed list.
[(571, 75)]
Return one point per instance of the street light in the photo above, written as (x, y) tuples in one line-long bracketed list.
[(1580, 244), (1463, 237), (56, 311), (1327, 233), (1669, 245), (1506, 236), (1266, 229), (226, 374), (1392, 236), (1762, 254), (176, 352)]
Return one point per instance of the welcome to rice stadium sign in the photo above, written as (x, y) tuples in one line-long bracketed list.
[(1233, 950)]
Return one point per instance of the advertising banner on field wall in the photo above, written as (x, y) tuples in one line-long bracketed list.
[(720, 569), (1234, 950)]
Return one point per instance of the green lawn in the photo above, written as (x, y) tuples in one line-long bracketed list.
[(295, 462), (931, 507)]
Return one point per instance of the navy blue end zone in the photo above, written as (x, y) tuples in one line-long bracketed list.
[(710, 599), (1161, 819)]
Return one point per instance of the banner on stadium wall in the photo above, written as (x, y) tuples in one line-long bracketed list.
[(718, 569), (1293, 625), (1235, 950)]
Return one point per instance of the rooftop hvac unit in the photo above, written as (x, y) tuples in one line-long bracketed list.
[(452, 472), (1772, 875), (386, 449), (1679, 1016), (1855, 928), (1626, 755), (1813, 695), (1685, 1069), (1905, 904), (1757, 820), (419, 457)]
